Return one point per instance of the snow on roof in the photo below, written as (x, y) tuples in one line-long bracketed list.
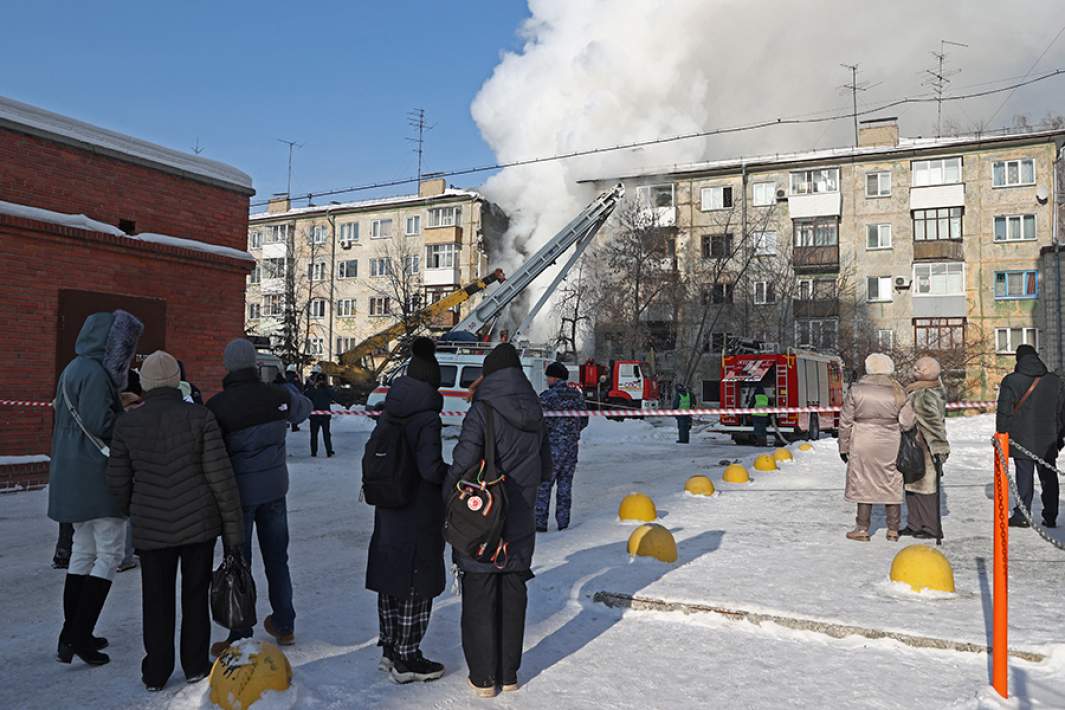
[(31, 119), (80, 221), (397, 200), (905, 145)]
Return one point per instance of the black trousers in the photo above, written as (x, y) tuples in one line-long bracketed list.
[(1026, 469), (493, 625), (158, 580), (318, 422)]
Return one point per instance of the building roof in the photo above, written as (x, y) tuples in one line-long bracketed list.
[(381, 202), (24, 118), (836, 155)]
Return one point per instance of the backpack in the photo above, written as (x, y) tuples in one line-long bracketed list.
[(476, 510), (389, 473)]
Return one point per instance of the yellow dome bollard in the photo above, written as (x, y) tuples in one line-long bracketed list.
[(699, 486), (923, 567), (653, 540), (245, 671), (637, 506), (806, 446), (782, 454), (736, 473), (765, 462)]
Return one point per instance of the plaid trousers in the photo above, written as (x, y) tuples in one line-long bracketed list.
[(403, 622)]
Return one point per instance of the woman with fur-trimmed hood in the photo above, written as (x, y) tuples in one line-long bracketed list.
[(928, 403)]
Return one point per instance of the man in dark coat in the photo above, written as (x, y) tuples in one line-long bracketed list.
[(1031, 409), (170, 472), (254, 418), (292, 381), (86, 408), (682, 399), (322, 398), (564, 433), (406, 561), (494, 596)]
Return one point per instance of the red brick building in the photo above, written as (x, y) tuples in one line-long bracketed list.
[(95, 220)]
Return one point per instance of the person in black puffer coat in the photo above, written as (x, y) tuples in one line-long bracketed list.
[(1038, 424), (406, 561), (170, 472), (494, 596)]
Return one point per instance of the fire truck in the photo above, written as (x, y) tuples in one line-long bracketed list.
[(621, 384), (796, 378)]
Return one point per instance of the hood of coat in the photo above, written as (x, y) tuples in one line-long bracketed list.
[(564, 392), (508, 392), (110, 339), (408, 396), (1030, 364)]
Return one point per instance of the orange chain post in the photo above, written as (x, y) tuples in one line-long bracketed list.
[(999, 643)]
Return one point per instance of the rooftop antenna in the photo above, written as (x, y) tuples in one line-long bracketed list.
[(854, 87), (197, 149), (416, 120), (291, 145), (938, 79)]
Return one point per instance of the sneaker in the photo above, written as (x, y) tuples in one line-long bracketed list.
[(1050, 523), (152, 688), (388, 659), (1017, 520), (922, 535), (859, 535), (127, 565), (892, 536), (907, 531), (483, 691), (417, 668), (541, 529), (511, 687), (198, 676), (330, 454), (283, 638), (219, 647)]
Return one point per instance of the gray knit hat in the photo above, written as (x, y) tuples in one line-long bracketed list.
[(239, 355), (160, 369)]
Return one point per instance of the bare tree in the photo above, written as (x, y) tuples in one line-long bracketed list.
[(304, 289), (573, 304), (398, 278)]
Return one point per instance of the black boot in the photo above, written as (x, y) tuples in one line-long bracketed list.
[(1017, 520), (71, 593), (90, 604)]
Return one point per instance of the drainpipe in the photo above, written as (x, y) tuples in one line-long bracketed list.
[(332, 276), (1057, 252), (743, 237)]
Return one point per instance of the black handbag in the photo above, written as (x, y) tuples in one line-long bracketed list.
[(910, 461), (233, 593)]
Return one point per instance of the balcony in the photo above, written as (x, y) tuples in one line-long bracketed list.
[(278, 250), (939, 250), (825, 204), (272, 285), (443, 235), (933, 196), (440, 277), (822, 258), (651, 217), (819, 308)]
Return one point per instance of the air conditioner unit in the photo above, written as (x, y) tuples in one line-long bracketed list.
[(346, 245), (782, 194)]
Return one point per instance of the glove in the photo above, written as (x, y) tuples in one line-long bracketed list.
[(843, 457), (234, 551)]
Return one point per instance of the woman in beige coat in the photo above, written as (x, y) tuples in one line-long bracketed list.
[(869, 435), (928, 400)]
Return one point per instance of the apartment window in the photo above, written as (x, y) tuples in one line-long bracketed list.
[(319, 234), (885, 340), (440, 256), (940, 223), (273, 268), (939, 279), (381, 229), (316, 271), (414, 225), (940, 171), (316, 307), (380, 305), (815, 289), (763, 194), (380, 266), (765, 243), (411, 264), (939, 333), (878, 236), (719, 294), (349, 232), (273, 305), (809, 182), (717, 246), (1007, 340), (255, 239), (878, 184), (345, 309), (819, 334), (764, 292), (256, 274), (878, 289), (276, 234), (1007, 173), (348, 269), (445, 216), (716, 198), (1016, 285), (655, 195), (817, 233), (344, 344), (1015, 228), (254, 309), (315, 346)]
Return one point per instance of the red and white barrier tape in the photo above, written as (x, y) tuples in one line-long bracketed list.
[(22, 403)]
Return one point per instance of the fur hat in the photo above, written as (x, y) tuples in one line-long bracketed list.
[(557, 369), (502, 356), (239, 355), (160, 369), (423, 365), (879, 364), (926, 369)]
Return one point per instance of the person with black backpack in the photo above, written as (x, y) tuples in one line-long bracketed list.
[(502, 456), (403, 469)]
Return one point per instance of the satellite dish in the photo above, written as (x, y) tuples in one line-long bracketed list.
[(1041, 195)]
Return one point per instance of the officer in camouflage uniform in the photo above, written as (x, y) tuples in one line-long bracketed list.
[(564, 434)]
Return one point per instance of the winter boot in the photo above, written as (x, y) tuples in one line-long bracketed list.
[(388, 659), (907, 531), (511, 686), (1017, 520), (483, 691), (90, 604), (859, 535), (283, 639), (71, 592), (416, 668)]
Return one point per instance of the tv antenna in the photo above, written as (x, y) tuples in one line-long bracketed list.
[(291, 145), (939, 77), (416, 120), (197, 148), (854, 87)]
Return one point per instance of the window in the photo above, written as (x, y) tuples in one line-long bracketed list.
[(809, 182), (941, 171), (345, 309), (718, 294), (319, 234), (819, 334), (470, 373), (440, 256), (273, 305), (316, 307), (939, 333), (763, 193), (273, 268), (716, 198), (940, 279), (765, 243), (254, 310), (878, 289), (655, 195), (315, 346), (878, 184), (764, 292), (276, 234), (411, 264), (885, 340), (344, 344), (445, 216), (1016, 284), (348, 269), (1007, 173), (941, 223), (349, 232), (414, 225), (816, 233), (316, 271), (380, 305), (878, 236), (1007, 340), (255, 239), (381, 229), (380, 266), (815, 289), (717, 246), (256, 274), (1015, 228)]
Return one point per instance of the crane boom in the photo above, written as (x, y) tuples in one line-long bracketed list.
[(579, 231)]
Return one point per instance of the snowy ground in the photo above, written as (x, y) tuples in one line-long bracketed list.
[(774, 545)]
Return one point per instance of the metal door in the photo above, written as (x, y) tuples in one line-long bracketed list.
[(76, 306)]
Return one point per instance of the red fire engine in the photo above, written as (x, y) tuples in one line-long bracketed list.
[(624, 383), (797, 378)]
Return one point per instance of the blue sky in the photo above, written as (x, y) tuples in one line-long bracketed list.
[(338, 77)]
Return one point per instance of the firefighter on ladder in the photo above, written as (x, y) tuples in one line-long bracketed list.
[(760, 421)]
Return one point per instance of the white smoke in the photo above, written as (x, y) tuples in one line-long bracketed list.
[(603, 72)]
